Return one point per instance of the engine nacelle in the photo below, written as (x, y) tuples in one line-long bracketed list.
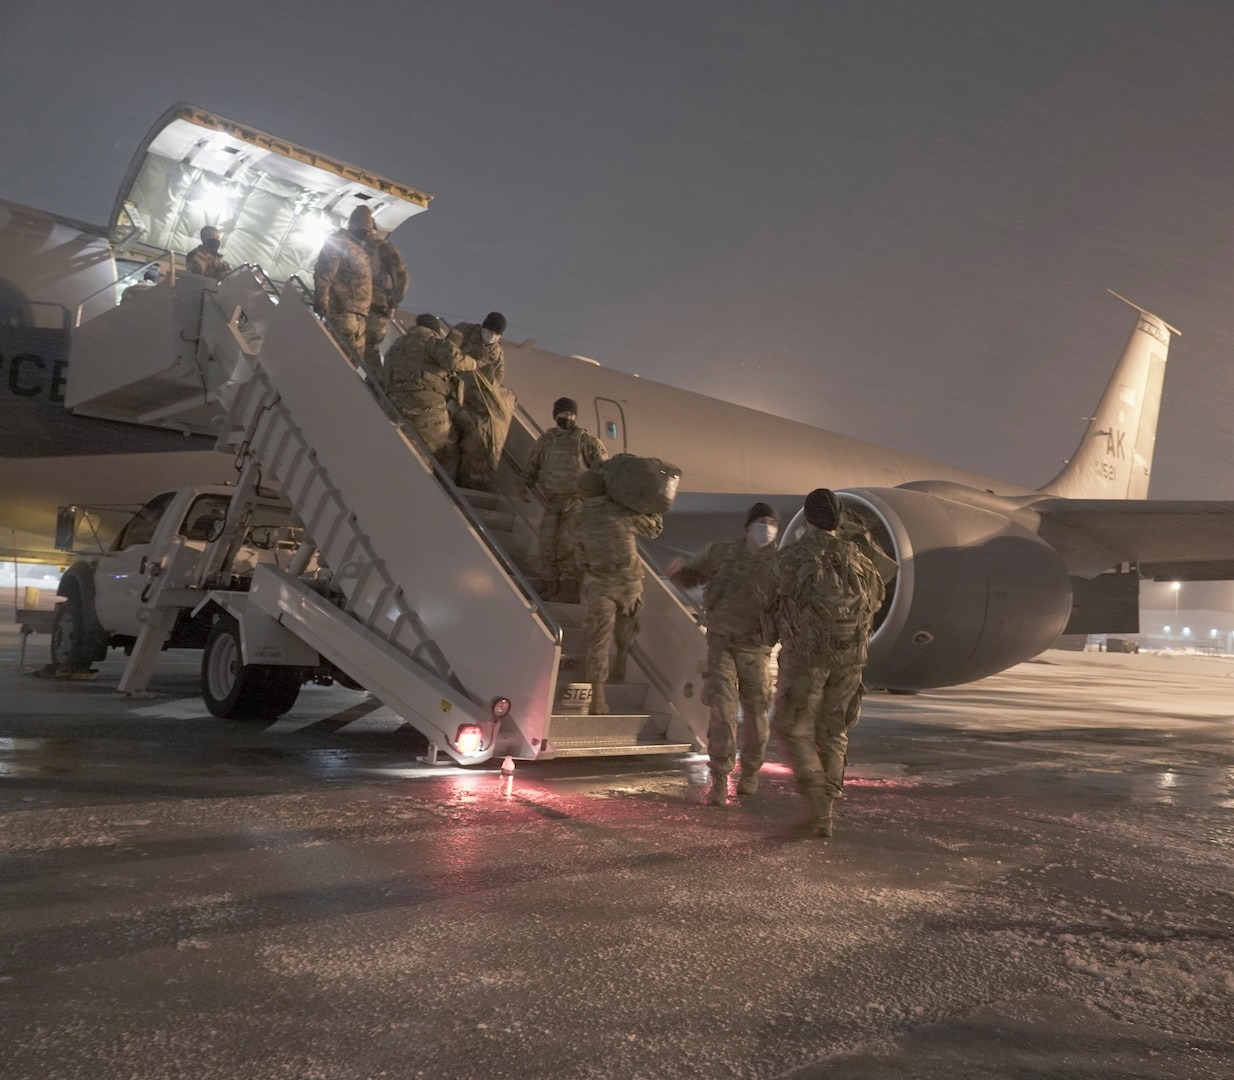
[(976, 591)]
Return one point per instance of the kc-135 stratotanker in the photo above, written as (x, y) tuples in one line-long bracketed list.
[(300, 531)]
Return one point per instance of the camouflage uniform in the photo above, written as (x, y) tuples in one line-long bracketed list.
[(554, 464), (737, 653), (473, 420), (207, 263), (820, 596), (612, 587), (418, 375), (389, 288), (343, 287)]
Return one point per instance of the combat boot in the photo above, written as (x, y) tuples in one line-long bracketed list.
[(617, 669), (599, 707), (717, 794), (748, 784), (820, 812)]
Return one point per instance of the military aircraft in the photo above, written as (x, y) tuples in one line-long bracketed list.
[(989, 573)]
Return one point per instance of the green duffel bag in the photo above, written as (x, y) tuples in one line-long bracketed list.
[(645, 485)]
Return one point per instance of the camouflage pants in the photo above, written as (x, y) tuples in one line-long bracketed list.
[(817, 702), (374, 336), (557, 563), (349, 328), (610, 617), (474, 438), (737, 674), (427, 413)]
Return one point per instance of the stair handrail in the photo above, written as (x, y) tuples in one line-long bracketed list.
[(157, 261), (446, 482)]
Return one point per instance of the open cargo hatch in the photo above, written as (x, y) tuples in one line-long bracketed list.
[(274, 202)]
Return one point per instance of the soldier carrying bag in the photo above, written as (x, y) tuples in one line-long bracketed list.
[(642, 484)]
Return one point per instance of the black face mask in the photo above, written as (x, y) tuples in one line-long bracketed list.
[(565, 423), (211, 246)]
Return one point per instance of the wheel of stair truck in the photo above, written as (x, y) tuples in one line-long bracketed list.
[(232, 688), (68, 633)]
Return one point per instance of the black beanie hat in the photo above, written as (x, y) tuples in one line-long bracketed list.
[(495, 321), (762, 510), (823, 509), (430, 322), (565, 404)]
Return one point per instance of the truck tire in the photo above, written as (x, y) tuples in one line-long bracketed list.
[(68, 633), (234, 689)]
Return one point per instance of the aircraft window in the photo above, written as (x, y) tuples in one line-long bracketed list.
[(140, 530), (610, 429), (204, 515)]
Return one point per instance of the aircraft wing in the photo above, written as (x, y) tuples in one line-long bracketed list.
[(1178, 541)]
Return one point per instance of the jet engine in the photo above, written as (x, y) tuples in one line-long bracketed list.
[(975, 593)]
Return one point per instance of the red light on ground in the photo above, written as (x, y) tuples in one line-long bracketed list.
[(469, 739)]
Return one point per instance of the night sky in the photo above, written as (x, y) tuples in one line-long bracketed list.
[(897, 219)]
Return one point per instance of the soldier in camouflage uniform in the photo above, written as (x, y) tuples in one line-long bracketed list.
[(343, 279), (821, 595), (389, 287), (482, 342), (738, 654), (419, 375), (205, 259), (556, 459), (604, 534)]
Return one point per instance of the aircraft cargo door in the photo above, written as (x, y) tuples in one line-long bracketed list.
[(611, 426)]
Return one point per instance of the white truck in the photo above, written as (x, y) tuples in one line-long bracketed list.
[(183, 546)]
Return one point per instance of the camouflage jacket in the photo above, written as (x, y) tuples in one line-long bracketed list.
[(422, 362), (342, 278), (820, 589), (389, 275), (557, 457), (727, 570), (490, 359), (604, 534), (207, 263)]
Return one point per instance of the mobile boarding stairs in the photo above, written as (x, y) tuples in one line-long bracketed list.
[(431, 609)]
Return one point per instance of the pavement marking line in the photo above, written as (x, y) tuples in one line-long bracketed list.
[(181, 709)]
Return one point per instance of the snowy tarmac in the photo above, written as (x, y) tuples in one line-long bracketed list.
[(1031, 878)]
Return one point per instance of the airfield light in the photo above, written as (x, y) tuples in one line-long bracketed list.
[(469, 739), (1212, 633), (1176, 585), (501, 706), (1186, 631), (1167, 629), (213, 203), (313, 231)]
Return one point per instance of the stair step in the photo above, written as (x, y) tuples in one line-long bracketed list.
[(624, 750), (616, 729), (573, 696), (567, 615), (480, 499), (496, 520)]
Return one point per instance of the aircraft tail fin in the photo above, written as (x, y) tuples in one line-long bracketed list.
[(1115, 457)]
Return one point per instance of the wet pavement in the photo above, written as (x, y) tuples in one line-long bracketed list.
[(1031, 877)]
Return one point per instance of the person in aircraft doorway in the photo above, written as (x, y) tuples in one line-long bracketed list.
[(420, 376), (205, 259), (605, 538), (819, 596), (556, 461), (343, 279), (389, 287), (738, 653)]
